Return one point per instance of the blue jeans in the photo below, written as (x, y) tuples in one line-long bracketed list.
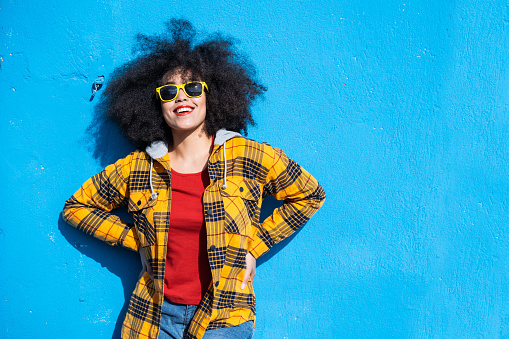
[(175, 319)]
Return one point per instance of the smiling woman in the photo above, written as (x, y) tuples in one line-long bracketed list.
[(195, 189)]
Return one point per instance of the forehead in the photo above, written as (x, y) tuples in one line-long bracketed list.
[(178, 75)]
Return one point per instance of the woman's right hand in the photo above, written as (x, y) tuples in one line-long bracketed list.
[(145, 266)]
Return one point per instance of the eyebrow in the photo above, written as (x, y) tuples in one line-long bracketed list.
[(185, 81)]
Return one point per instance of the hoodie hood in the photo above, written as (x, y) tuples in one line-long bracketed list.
[(223, 135), (159, 148)]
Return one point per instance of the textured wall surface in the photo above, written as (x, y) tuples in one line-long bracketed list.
[(400, 109)]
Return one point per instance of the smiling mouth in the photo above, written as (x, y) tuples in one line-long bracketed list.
[(183, 110)]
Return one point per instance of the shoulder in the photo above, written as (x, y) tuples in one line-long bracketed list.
[(256, 154), (133, 160), (253, 147), (133, 157)]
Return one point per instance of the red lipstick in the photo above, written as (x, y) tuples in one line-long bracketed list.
[(183, 110)]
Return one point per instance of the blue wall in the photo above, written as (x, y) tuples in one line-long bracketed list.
[(399, 108)]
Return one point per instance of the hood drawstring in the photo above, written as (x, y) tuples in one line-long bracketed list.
[(153, 195), (224, 152), (159, 148)]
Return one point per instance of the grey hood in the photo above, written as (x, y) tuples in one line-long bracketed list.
[(159, 148), (223, 135)]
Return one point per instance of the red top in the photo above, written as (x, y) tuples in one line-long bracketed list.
[(187, 272)]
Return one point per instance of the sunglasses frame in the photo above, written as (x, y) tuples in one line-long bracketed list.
[(179, 87)]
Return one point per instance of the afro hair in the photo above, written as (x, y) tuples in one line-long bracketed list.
[(130, 97)]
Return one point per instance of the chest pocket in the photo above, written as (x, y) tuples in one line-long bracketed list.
[(241, 199), (141, 207)]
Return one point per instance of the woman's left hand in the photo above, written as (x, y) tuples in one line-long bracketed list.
[(250, 270)]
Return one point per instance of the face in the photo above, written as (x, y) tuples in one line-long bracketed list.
[(183, 113)]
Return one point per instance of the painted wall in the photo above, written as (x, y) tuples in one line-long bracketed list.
[(400, 108)]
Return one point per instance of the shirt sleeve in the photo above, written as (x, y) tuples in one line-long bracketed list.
[(302, 196), (89, 208)]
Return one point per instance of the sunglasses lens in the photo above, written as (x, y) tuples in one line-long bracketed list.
[(168, 92), (194, 89)]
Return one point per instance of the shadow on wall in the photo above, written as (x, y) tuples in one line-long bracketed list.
[(107, 144), (105, 140), (268, 206), (120, 261)]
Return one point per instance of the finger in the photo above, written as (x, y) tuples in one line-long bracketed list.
[(148, 268), (143, 270), (145, 266), (246, 279)]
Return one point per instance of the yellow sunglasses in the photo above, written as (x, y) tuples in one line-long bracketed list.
[(193, 89)]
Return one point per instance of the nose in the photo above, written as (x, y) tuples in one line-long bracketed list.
[(181, 95)]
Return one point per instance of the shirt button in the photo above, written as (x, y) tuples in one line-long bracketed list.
[(138, 203), (212, 247), (209, 212), (241, 189), (217, 283)]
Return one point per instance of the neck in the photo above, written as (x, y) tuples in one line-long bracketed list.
[(190, 151)]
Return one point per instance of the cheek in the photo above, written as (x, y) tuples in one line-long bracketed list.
[(201, 102), (166, 108), (165, 111)]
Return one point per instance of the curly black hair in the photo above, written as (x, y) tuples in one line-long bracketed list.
[(130, 98)]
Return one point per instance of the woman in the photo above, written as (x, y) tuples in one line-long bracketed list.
[(195, 191)]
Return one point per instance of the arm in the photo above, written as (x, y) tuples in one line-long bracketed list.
[(89, 208), (302, 196)]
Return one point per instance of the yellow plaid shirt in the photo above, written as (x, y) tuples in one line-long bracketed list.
[(254, 170)]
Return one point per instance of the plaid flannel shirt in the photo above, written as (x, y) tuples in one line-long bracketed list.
[(253, 171)]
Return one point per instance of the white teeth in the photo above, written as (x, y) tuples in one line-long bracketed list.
[(184, 109)]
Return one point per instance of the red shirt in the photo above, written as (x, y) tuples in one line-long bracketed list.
[(187, 272)]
